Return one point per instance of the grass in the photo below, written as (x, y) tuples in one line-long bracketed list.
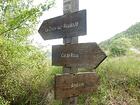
[(120, 82)]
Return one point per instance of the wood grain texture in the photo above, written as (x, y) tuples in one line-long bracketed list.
[(66, 26), (69, 85), (77, 55), (70, 6)]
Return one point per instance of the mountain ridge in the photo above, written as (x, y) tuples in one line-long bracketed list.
[(130, 38)]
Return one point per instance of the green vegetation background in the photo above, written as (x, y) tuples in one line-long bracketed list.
[(26, 74)]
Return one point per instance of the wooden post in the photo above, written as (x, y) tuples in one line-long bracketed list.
[(69, 27), (70, 6)]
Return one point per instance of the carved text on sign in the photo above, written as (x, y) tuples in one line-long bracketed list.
[(69, 85), (69, 55), (77, 55), (76, 85), (64, 26)]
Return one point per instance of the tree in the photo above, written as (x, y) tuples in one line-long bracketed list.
[(22, 66), (19, 17)]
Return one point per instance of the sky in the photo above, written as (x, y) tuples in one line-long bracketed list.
[(105, 18)]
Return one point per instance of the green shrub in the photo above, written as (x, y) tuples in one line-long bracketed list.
[(3, 102), (119, 47)]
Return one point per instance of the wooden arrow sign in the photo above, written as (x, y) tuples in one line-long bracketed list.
[(69, 85), (66, 26), (77, 55)]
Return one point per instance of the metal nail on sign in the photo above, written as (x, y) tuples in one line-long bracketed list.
[(68, 25), (69, 85), (77, 55)]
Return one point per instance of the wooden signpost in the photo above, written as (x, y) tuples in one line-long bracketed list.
[(70, 85), (70, 6), (72, 55), (77, 55), (66, 26)]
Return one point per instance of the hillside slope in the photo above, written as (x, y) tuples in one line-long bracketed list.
[(129, 38)]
